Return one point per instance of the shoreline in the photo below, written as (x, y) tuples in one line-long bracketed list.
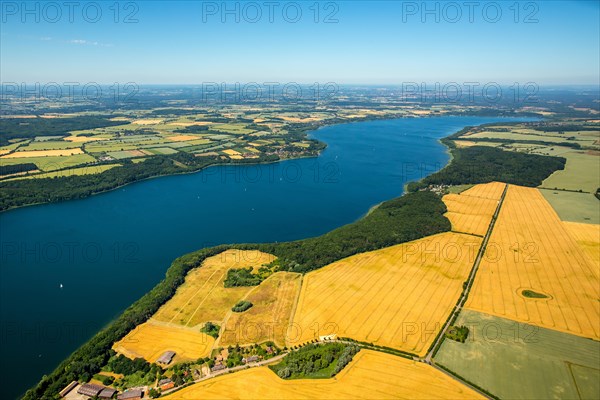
[(306, 131), (110, 324)]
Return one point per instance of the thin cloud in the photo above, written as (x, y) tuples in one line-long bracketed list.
[(89, 43)]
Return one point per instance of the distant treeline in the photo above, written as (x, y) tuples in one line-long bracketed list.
[(28, 128), (17, 193)]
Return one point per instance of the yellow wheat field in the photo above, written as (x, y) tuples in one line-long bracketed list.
[(269, 317), (44, 153), (202, 297), (183, 138), (151, 339), (492, 190), (83, 139), (531, 249), (587, 237), (397, 297), (371, 375), (469, 214)]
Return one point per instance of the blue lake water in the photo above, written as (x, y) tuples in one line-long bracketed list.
[(68, 269)]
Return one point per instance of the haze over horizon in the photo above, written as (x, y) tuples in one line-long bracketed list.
[(344, 42)]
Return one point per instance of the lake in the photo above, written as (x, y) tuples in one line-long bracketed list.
[(68, 269)]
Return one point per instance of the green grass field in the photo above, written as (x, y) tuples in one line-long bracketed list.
[(518, 361), (573, 206), (49, 145), (88, 170), (583, 138), (582, 172), (51, 163)]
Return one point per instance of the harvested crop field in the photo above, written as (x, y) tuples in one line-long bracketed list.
[(383, 296), (530, 249), (151, 339), (371, 375), (268, 319), (469, 214), (202, 297), (492, 190), (539, 363)]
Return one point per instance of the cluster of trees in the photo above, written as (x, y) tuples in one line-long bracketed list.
[(345, 358), (482, 164), (123, 365), (241, 277), (242, 306), (15, 169), (27, 128), (410, 217), (315, 360), (211, 329), (458, 333)]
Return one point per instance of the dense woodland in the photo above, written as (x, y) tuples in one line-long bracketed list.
[(29, 128), (481, 164)]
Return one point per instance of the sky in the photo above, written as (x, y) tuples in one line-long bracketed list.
[(346, 42)]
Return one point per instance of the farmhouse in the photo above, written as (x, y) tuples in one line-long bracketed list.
[(250, 359), (218, 367), (107, 393), (166, 357), (68, 388), (131, 395), (165, 384), (90, 389)]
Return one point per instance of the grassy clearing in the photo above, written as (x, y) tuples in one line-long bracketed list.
[(370, 375), (269, 317), (377, 297), (573, 206), (530, 249), (539, 363), (48, 145)]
